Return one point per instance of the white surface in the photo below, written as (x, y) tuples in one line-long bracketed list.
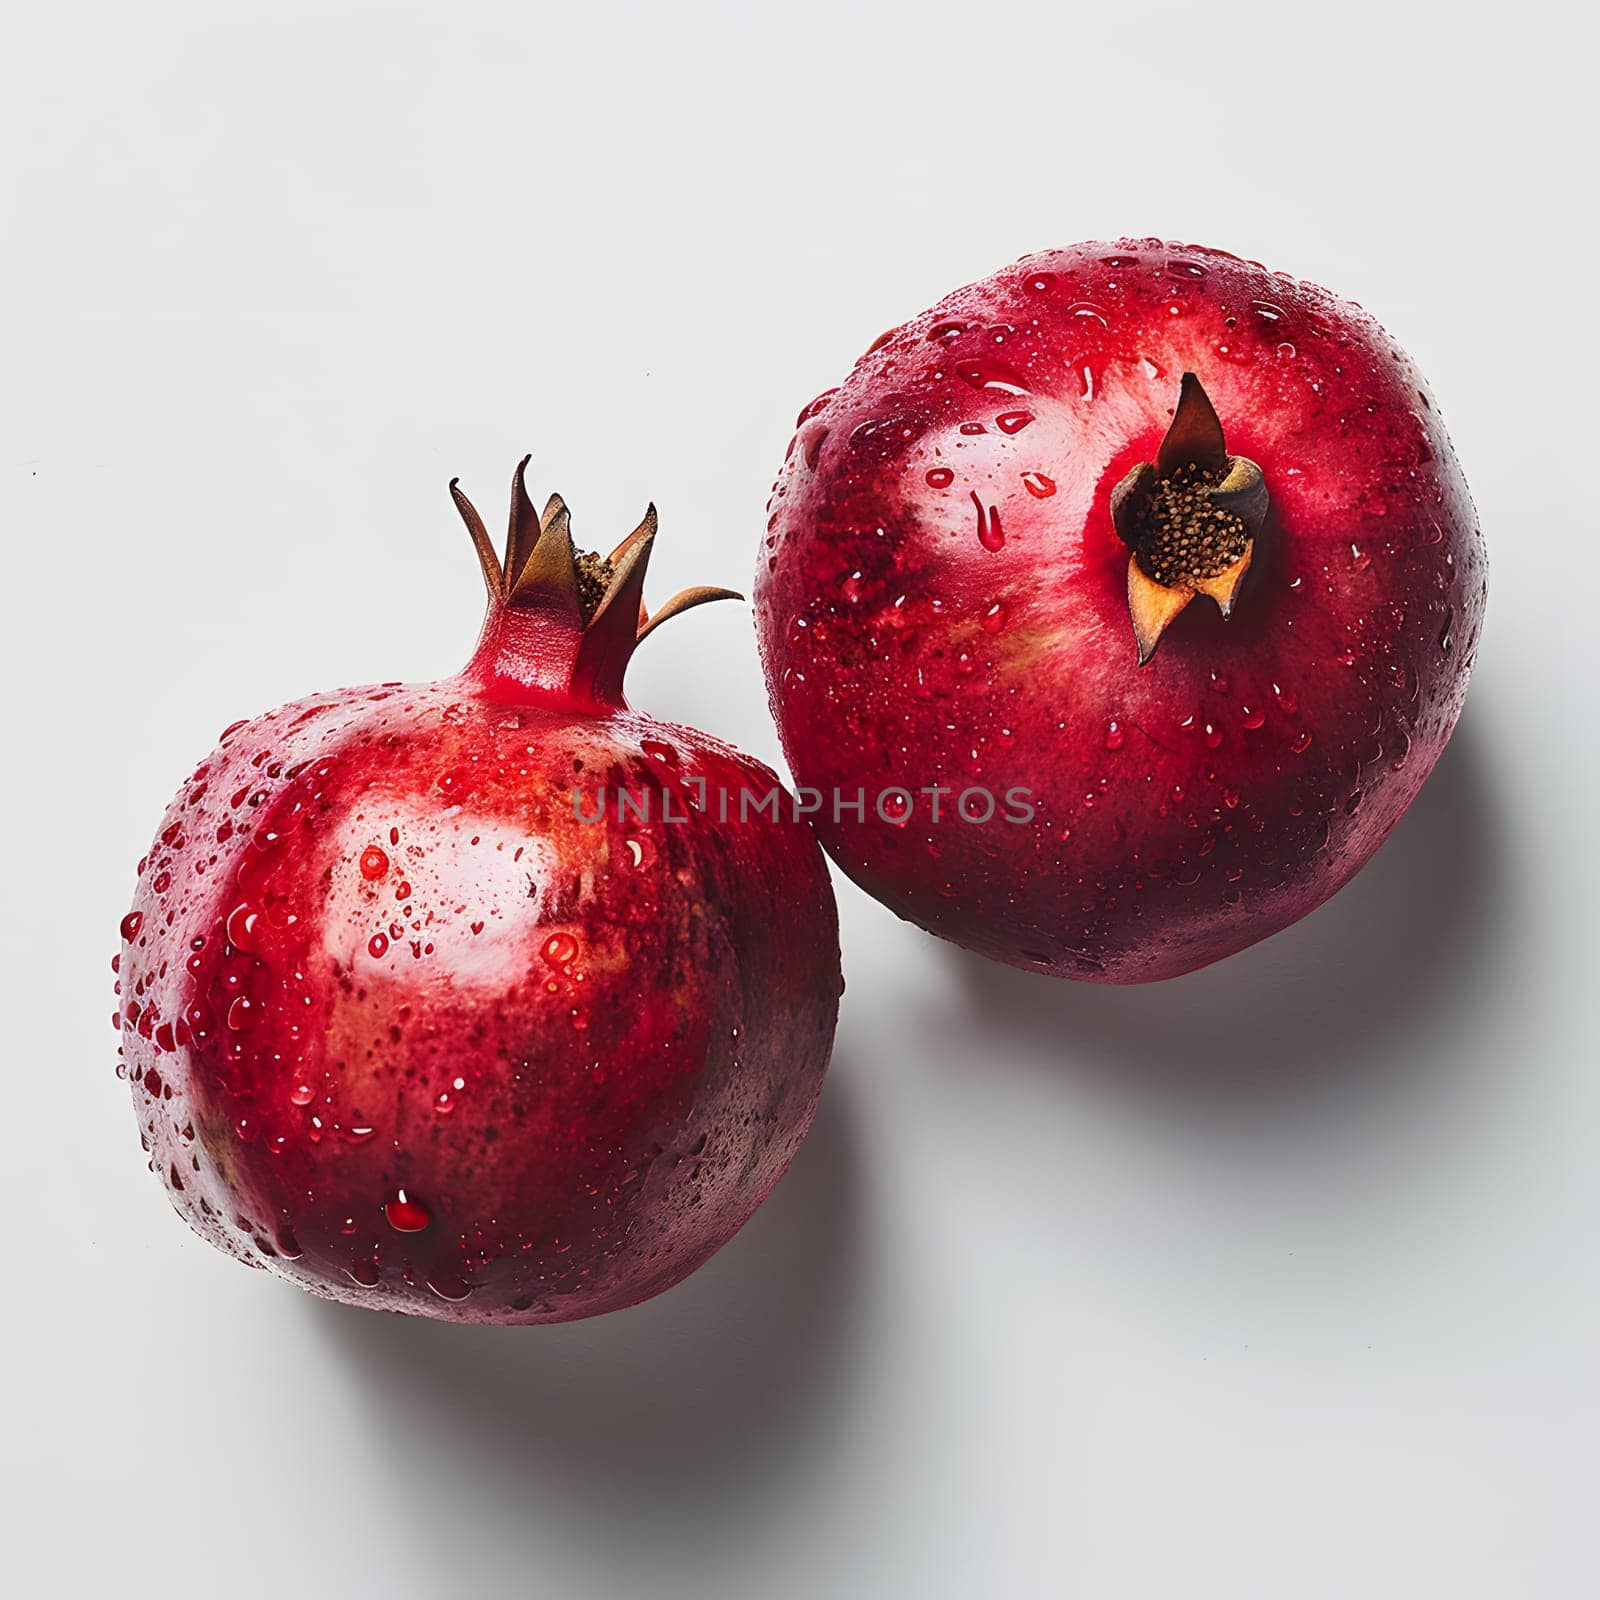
[(1275, 1281)]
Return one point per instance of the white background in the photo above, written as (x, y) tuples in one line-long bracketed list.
[(1278, 1280)]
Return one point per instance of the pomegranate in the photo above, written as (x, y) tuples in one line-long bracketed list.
[(1136, 589), (484, 999)]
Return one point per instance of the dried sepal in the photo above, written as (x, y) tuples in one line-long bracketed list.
[(549, 576), (612, 633), (1243, 491), (1129, 499), (685, 600), (1151, 606), (493, 576), (623, 602), (522, 526), (1194, 437), (644, 534)]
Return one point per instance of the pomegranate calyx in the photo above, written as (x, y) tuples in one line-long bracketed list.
[(1190, 520), (684, 600), (565, 621)]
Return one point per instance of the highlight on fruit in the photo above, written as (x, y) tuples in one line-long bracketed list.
[(402, 1029), (1178, 544)]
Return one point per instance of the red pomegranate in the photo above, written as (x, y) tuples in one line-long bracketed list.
[(483, 999), (1135, 588)]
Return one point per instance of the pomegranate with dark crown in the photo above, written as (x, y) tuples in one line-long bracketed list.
[(478, 999), (1169, 552)]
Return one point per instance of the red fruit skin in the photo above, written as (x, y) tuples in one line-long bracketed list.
[(1186, 809), (403, 1029)]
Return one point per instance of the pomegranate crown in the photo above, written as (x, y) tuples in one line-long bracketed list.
[(1190, 519), (562, 620)]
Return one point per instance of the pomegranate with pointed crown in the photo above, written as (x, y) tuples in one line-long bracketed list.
[(483, 999), (1172, 546)]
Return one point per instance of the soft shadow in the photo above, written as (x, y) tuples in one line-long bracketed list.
[(1346, 994), (708, 1393)]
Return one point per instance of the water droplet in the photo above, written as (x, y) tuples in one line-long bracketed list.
[(1301, 742), (1252, 717), (895, 807), (1116, 737), (560, 949), (1038, 485), (377, 945), (450, 1288), (364, 1272), (243, 922), (994, 619), (374, 863), (131, 924), (406, 1215), (301, 1095), (240, 1014), (990, 534), (991, 375), (939, 477), (1013, 421)]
